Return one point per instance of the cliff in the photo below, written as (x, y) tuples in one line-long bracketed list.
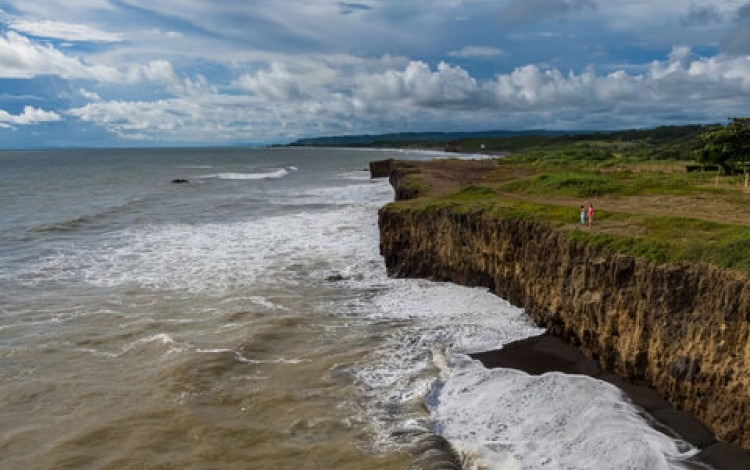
[(682, 329), (381, 168)]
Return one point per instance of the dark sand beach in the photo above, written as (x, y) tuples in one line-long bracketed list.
[(547, 353)]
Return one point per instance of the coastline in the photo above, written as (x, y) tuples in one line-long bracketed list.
[(546, 353), (672, 336)]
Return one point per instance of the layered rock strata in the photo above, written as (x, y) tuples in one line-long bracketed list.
[(682, 329)]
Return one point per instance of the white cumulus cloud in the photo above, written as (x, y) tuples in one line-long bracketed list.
[(22, 58), (30, 115), (280, 102), (417, 84), (274, 84)]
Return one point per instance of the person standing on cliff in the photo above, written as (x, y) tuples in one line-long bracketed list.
[(583, 215), (591, 215)]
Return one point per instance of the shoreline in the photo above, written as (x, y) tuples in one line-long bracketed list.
[(548, 353), (681, 327)]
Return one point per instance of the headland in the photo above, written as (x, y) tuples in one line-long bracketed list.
[(655, 292)]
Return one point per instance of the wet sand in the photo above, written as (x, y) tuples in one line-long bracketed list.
[(547, 353)]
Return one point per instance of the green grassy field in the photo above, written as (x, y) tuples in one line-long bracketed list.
[(648, 204)]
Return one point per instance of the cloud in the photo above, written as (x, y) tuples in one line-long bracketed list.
[(282, 103), (701, 16), (64, 31), (527, 11), (471, 52), (448, 86), (42, 8), (21, 58), (195, 70), (349, 8), (30, 115), (202, 119), (275, 84), (743, 12), (737, 42), (138, 119), (89, 95)]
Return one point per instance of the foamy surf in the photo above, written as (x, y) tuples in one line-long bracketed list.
[(264, 175), (499, 418), (548, 421)]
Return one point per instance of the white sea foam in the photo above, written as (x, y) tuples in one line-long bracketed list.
[(274, 174), (429, 321), (263, 302), (372, 194), (499, 419), (548, 421), (96, 352), (467, 319), (299, 247), (158, 339), (240, 358)]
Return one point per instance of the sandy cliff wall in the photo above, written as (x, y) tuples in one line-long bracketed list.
[(682, 329)]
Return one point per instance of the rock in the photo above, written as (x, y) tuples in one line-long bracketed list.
[(381, 168)]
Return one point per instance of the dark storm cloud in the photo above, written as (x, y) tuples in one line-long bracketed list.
[(527, 11)]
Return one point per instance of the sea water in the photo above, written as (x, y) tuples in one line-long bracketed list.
[(244, 320)]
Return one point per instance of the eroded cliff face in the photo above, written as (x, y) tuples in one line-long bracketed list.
[(682, 329)]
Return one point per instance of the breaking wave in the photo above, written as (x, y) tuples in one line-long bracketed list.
[(264, 175)]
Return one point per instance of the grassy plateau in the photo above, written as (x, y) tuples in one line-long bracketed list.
[(650, 196)]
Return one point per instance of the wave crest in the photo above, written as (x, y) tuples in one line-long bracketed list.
[(265, 175)]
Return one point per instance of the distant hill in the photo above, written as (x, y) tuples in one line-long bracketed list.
[(660, 142), (400, 138)]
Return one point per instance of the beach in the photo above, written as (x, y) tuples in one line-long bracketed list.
[(544, 354)]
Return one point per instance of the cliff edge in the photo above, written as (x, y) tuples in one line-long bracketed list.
[(681, 328)]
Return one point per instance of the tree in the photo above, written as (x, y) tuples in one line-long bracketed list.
[(727, 146)]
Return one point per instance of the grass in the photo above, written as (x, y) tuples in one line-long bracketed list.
[(637, 179), (474, 192), (655, 250), (566, 184), (534, 191), (657, 238), (593, 184)]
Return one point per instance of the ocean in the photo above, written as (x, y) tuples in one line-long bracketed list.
[(244, 320)]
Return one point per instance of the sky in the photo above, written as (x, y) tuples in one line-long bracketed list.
[(232, 72)]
